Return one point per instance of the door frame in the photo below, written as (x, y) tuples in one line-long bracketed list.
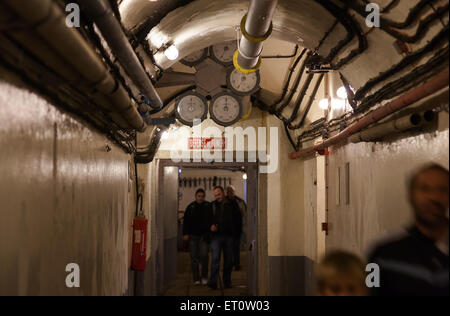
[(253, 207)]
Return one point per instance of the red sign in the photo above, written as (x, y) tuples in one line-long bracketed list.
[(207, 143)]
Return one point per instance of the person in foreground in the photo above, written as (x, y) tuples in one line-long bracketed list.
[(341, 274), (417, 264)]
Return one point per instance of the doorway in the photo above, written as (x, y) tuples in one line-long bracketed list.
[(177, 186)]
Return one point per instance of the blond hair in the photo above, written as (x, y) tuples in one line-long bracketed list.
[(342, 264)]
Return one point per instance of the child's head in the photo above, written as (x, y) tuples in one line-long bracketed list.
[(341, 274)]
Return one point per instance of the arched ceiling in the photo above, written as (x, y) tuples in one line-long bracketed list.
[(203, 23), (363, 54)]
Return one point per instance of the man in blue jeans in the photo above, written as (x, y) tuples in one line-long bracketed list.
[(224, 227), (197, 222)]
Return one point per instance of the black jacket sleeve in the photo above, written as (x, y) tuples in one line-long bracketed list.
[(214, 218), (208, 217), (187, 221), (237, 219)]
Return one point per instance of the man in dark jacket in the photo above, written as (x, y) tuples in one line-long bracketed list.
[(417, 264), (225, 227), (196, 230), (242, 206)]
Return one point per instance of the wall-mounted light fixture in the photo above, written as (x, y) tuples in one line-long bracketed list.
[(172, 53), (165, 135), (324, 104), (338, 104), (342, 93)]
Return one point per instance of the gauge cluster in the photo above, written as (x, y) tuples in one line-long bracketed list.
[(225, 109), (221, 90), (195, 58), (223, 53), (243, 84), (191, 106)]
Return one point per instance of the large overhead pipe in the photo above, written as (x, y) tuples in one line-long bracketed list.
[(66, 52), (402, 124), (432, 86), (147, 155), (100, 12), (395, 126), (256, 27)]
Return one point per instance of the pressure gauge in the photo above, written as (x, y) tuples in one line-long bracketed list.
[(242, 84), (191, 106), (223, 53), (195, 58), (225, 109)]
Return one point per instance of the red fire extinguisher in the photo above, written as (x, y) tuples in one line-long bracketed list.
[(139, 260)]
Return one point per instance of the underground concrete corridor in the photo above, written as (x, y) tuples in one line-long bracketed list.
[(148, 146)]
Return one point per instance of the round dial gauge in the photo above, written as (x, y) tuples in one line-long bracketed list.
[(225, 109), (195, 58), (243, 84), (191, 106), (223, 53)]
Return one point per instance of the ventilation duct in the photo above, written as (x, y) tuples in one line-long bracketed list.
[(256, 27), (100, 12), (66, 52), (396, 126)]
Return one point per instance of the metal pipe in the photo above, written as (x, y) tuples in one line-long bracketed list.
[(256, 27), (395, 126), (75, 60), (413, 15), (428, 88), (147, 155), (353, 29), (100, 12), (170, 99), (300, 98), (390, 26), (310, 102), (280, 110), (273, 107), (429, 116)]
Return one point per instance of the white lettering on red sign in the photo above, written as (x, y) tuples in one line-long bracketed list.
[(207, 143)]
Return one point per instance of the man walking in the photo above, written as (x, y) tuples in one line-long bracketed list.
[(240, 224), (224, 229), (417, 264), (197, 219)]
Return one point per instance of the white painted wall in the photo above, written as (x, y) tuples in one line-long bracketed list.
[(64, 200), (378, 196), (285, 200)]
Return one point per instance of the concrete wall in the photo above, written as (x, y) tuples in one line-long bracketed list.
[(64, 199), (290, 266), (378, 196)]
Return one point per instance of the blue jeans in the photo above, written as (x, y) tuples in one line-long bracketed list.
[(199, 249), (221, 243)]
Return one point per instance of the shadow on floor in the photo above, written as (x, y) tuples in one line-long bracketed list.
[(183, 285)]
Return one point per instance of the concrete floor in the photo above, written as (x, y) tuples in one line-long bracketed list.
[(183, 285)]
